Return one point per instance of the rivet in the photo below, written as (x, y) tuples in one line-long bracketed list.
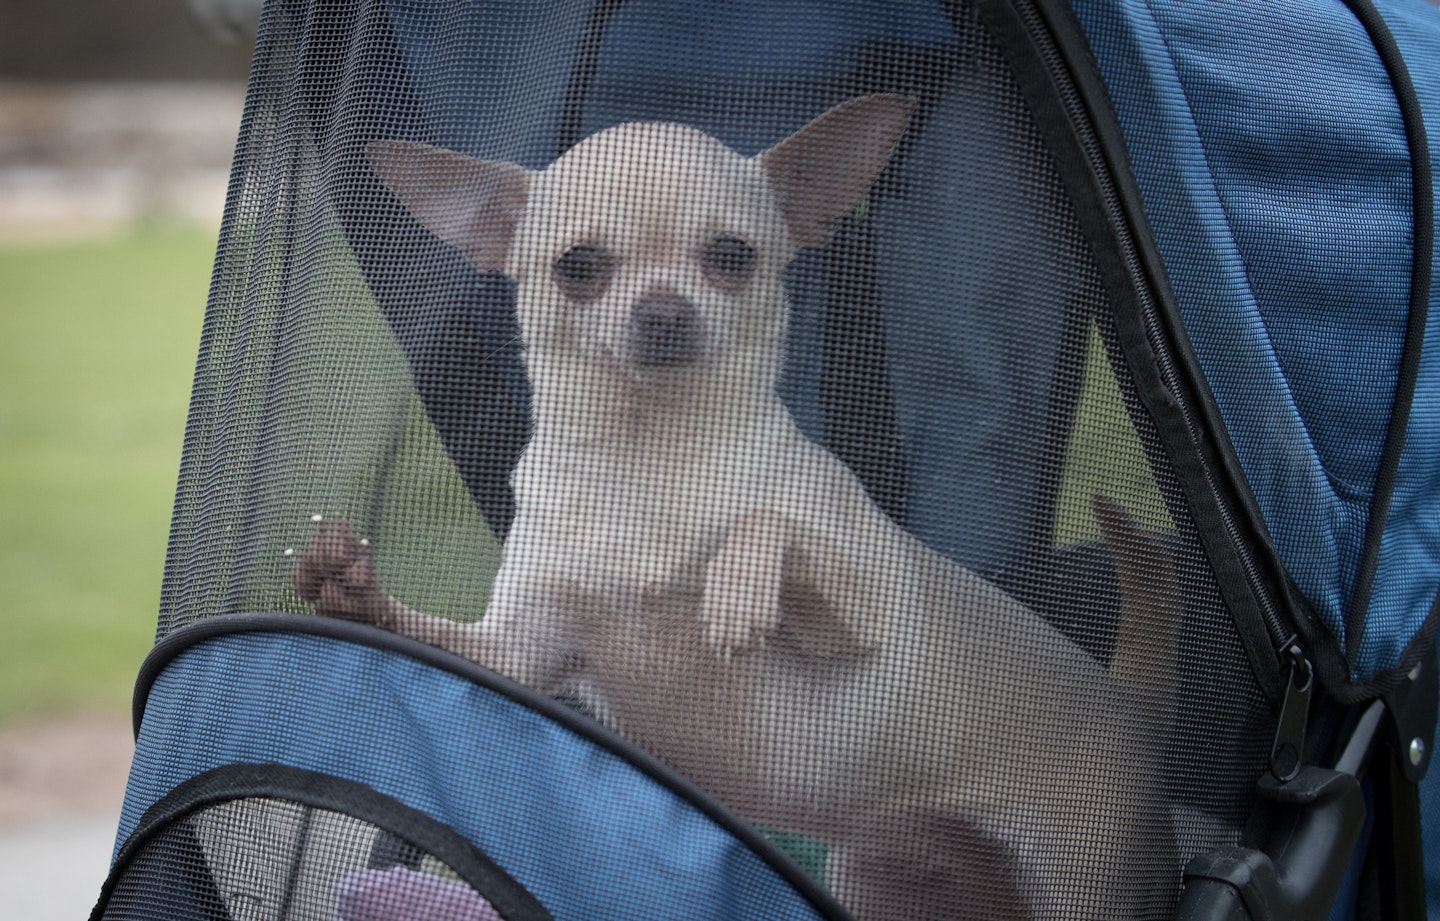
[(1417, 750)]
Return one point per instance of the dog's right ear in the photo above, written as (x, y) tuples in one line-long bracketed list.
[(471, 204)]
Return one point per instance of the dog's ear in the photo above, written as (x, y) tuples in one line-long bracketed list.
[(471, 204), (819, 172)]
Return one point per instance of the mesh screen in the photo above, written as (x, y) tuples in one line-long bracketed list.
[(741, 373), (271, 859)]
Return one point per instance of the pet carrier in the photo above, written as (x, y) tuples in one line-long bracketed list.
[(952, 460)]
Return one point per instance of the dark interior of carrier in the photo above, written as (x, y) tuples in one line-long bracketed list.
[(978, 342)]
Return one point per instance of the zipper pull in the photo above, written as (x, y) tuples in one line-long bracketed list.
[(1289, 746)]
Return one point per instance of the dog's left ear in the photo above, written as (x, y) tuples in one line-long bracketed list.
[(819, 172)]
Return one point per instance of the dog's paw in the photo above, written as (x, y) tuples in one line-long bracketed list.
[(736, 625), (336, 573), (740, 609)]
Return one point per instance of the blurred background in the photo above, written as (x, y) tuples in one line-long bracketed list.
[(117, 125)]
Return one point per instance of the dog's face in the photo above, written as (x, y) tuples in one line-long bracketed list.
[(652, 248)]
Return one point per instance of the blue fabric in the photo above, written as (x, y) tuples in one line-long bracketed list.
[(1272, 161), (589, 835), (1410, 554)]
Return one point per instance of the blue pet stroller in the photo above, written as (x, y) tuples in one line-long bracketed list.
[(1113, 348)]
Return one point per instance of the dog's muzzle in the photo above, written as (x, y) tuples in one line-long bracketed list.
[(665, 331)]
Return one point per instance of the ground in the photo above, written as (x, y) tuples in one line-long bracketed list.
[(60, 769), (61, 783), (109, 210)]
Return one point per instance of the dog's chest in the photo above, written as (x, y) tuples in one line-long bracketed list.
[(618, 521)]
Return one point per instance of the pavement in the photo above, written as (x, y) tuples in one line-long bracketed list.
[(80, 160), (61, 783), (52, 871), (77, 159)]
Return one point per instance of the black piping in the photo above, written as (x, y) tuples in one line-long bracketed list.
[(335, 794), (1089, 154), (582, 74), (1231, 498), (1424, 223), (365, 635)]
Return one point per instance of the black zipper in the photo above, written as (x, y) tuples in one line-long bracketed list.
[(1281, 635), (1054, 37)]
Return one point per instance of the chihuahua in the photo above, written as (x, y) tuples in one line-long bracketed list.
[(722, 591)]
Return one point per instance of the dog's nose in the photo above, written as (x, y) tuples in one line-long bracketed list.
[(666, 331)]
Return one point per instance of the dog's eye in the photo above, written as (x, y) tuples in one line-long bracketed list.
[(728, 262), (583, 271)]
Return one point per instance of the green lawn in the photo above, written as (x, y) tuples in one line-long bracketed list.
[(97, 347)]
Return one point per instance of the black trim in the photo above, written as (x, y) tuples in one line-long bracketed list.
[(1424, 250), (582, 74), (322, 791), (857, 402), (365, 635)]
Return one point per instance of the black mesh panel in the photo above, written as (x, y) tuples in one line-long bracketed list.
[(745, 374), (214, 850)]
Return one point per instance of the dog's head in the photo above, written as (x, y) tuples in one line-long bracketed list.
[(651, 247)]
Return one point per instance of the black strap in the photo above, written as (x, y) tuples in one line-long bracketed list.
[(855, 391), (1424, 222)]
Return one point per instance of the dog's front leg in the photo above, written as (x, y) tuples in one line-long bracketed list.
[(778, 578), (523, 634), (336, 573)]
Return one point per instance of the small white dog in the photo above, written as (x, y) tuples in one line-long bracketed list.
[(722, 590)]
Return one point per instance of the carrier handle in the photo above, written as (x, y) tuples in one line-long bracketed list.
[(1313, 843), (1320, 818)]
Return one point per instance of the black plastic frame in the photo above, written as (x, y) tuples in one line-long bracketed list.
[(322, 791), (198, 632)]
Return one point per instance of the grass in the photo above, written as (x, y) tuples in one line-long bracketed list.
[(1104, 457), (96, 358)]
